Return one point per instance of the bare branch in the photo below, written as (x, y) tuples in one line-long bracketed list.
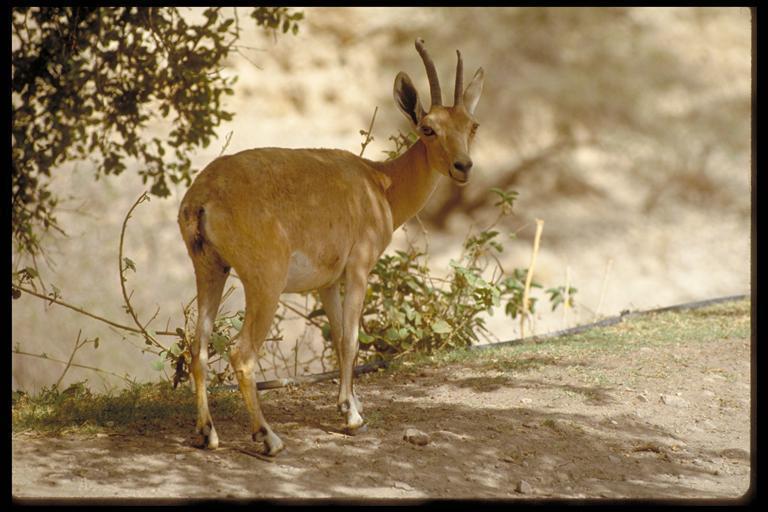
[(122, 267)]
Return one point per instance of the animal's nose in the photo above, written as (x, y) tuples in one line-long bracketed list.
[(463, 165)]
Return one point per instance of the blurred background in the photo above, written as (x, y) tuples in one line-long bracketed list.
[(627, 130)]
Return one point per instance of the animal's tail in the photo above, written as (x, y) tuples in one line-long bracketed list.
[(191, 220), (200, 248)]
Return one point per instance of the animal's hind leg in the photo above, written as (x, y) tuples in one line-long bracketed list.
[(261, 301), (211, 274)]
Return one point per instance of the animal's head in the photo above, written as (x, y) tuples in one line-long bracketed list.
[(447, 132)]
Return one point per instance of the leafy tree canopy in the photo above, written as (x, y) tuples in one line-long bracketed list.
[(88, 81)]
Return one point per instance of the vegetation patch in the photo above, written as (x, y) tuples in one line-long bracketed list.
[(154, 406)]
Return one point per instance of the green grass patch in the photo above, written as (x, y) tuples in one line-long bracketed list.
[(141, 407), (706, 325)]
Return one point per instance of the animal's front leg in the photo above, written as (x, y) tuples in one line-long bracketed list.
[(331, 300), (354, 295)]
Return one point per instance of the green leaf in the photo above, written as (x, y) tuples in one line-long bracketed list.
[(219, 343), (236, 323), (158, 365), (441, 327), (128, 264)]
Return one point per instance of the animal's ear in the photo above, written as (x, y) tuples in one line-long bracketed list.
[(473, 91), (407, 98)]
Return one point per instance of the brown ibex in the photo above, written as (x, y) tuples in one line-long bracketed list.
[(294, 220)]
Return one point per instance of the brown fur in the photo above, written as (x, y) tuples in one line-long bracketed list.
[(295, 220)]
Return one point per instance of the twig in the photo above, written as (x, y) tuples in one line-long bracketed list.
[(153, 317), (86, 313), (368, 136), (602, 287), (226, 142), (566, 295), (121, 267), (75, 365), (71, 356), (288, 306), (529, 276)]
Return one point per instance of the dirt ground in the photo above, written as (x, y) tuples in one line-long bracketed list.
[(662, 422)]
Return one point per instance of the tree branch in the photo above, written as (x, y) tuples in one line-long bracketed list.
[(87, 313)]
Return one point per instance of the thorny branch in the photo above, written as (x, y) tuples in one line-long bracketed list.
[(122, 268)]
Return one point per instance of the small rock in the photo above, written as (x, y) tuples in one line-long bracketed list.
[(402, 486), (614, 459), (110, 423), (180, 456), (673, 400), (523, 487), (416, 437), (734, 453), (641, 398), (526, 400), (102, 435)]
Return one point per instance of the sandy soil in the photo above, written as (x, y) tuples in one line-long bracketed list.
[(663, 422)]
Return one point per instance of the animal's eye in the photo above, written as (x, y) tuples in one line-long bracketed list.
[(426, 130), (474, 128)]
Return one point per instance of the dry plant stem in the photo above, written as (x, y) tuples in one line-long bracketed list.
[(529, 276), (142, 329), (566, 296), (368, 136), (293, 309), (71, 356), (453, 332), (74, 365), (289, 307), (602, 287), (226, 142), (88, 314)]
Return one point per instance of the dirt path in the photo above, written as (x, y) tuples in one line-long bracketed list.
[(665, 421)]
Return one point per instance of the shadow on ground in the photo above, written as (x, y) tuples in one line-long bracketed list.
[(477, 449)]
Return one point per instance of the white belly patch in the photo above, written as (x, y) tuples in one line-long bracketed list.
[(302, 273)]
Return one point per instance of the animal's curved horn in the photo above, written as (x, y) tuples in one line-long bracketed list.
[(458, 91), (434, 83)]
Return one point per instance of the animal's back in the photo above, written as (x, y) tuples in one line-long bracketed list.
[(277, 179), (314, 203)]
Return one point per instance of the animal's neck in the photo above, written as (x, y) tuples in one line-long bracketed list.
[(413, 182)]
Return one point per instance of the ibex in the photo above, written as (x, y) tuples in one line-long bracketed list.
[(295, 220)]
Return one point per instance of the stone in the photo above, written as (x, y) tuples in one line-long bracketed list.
[(417, 437), (523, 487), (673, 400)]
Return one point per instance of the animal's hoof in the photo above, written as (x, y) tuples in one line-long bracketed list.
[(206, 437), (358, 403), (353, 431), (272, 444), (273, 449)]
